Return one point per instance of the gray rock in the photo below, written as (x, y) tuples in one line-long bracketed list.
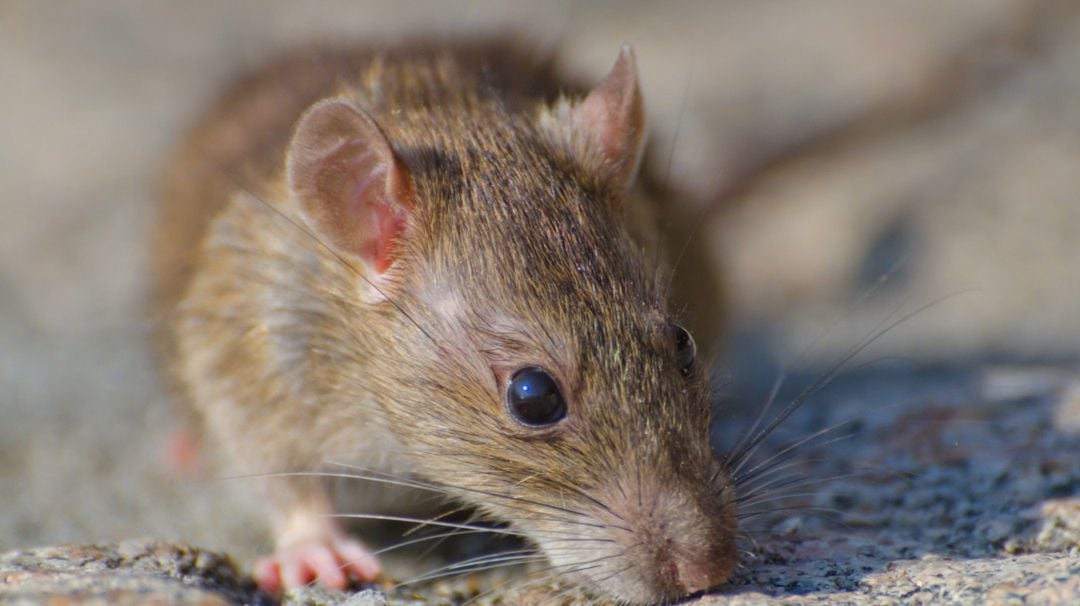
[(132, 572)]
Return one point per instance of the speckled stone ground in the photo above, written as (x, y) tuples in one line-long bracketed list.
[(932, 144), (956, 487), (966, 490)]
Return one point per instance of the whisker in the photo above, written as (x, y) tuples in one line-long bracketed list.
[(793, 481), (473, 564), (555, 536), (879, 330), (785, 371), (414, 541), (375, 476), (802, 508), (408, 520), (786, 453), (771, 400), (737, 456), (444, 488), (748, 536), (789, 450), (740, 444), (752, 504), (775, 483), (452, 573), (446, 514), (472, 519), (554, 572), (766, 477)]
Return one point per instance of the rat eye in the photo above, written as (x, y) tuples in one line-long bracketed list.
[(533, 397), (685, 349)]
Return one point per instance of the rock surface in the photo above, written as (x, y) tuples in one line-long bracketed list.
[(959, 487), (129, 573)]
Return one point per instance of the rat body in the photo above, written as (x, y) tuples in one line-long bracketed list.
[(424, 261)]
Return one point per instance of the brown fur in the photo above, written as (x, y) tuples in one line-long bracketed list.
[(519, 252)]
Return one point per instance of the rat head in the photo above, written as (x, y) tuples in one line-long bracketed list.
[(532, 361)]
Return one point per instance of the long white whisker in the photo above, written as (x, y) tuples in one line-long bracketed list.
[(434, 537), (764, 465), (554, 572), (879, 330), (451, 573), (408, 520), (792, 482), (446, 487), (473, 564)]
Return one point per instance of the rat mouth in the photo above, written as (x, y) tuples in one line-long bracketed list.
[(646, 545), (632, 579)]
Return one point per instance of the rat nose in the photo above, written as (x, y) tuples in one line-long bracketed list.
[(694, 574), (704, 555), (673, 540)]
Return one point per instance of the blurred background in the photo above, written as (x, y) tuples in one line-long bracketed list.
[(849, 161)]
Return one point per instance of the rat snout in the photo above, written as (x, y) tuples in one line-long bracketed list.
[(693, 570), (671, 541), (693, 544)]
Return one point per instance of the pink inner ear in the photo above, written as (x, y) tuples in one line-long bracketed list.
[(386, 225), (353, 190), (376, 219)]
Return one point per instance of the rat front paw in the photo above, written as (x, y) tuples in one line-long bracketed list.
[(328, 561)]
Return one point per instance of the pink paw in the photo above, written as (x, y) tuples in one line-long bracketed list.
[(330, 561), (181, 451)]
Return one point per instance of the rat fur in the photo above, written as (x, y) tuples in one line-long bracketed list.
[(357, 251)]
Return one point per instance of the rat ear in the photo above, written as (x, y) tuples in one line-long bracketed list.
[(606, 129), (353, 190)]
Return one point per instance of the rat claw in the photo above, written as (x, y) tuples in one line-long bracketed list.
[(267, 575), (358, 559), (328, 561)]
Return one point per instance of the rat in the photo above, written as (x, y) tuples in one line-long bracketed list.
[(428, 260)]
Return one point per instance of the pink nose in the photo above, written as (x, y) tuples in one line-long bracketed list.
[(701, 573)]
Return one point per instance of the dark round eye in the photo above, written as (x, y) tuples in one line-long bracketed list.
[(533, 397), (685, 349)]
